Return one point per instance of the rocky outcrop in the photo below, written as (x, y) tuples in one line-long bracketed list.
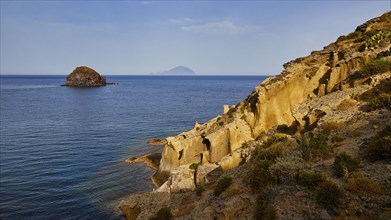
[(84, 76), (273, 103), (323, 100), (151, 160), (157, 142)]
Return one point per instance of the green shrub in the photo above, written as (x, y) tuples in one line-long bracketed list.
[(315, 147), (375, 66), (163, 214), (385, 53), (372, 39), (342, 38), (353, 35), (383, 100), (310, 180), (194, 166), (199, 189), (361, 48), (328, 195), (263, 209), (286, 169), (345, 163), (266, 154), (380, 145), (275, 139), (375, 38), (222, 185), (259, 176)]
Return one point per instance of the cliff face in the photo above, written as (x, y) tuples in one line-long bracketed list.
[(275, 101), (311, 143)]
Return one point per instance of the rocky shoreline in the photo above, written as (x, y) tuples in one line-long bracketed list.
[(151, 160), (278, 152)]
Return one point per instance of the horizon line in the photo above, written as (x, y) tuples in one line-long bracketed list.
[(17, 74)]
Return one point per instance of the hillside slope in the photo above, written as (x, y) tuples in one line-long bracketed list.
[(310, 143)]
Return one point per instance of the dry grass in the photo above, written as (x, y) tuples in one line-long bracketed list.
[(329, 126), (346, 104), (359, 184), (232, 191)]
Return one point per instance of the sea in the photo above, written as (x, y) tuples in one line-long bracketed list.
[(62, 149)]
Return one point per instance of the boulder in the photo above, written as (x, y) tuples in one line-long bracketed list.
[(84, 76)]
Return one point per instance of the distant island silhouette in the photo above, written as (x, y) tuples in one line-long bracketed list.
[(176, 71)]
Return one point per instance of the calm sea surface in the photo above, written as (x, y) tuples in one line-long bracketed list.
[(62, 149)]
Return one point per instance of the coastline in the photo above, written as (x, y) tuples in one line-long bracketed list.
[(274, 125)]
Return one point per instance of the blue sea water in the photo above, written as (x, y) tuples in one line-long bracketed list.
[(62, 149)]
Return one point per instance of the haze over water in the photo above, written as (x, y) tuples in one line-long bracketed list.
[(62, 149)]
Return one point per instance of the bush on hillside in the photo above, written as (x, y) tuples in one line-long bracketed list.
[(222, 185), (310, 180), (259, 176), (380, 145), (286, 169), (344, 164), (383, 100), (361, 185), (374, 67), (315, 147), (328, 195), (263, 209)]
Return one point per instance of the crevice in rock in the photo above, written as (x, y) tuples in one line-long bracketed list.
[(180, 154), (206, 142)]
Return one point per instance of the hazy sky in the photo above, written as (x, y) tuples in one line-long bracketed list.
[(138, 37)]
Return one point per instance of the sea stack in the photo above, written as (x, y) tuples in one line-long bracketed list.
[(84, 76)]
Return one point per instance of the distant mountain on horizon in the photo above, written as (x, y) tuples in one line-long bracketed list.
[(176, 71)]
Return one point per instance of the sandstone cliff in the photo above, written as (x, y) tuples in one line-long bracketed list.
[(310, 143), (275, 101), (84, 76)]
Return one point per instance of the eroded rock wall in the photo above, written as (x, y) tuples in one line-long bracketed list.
[(271, 104)]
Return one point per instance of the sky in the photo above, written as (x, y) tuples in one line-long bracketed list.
[(141, 37)]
